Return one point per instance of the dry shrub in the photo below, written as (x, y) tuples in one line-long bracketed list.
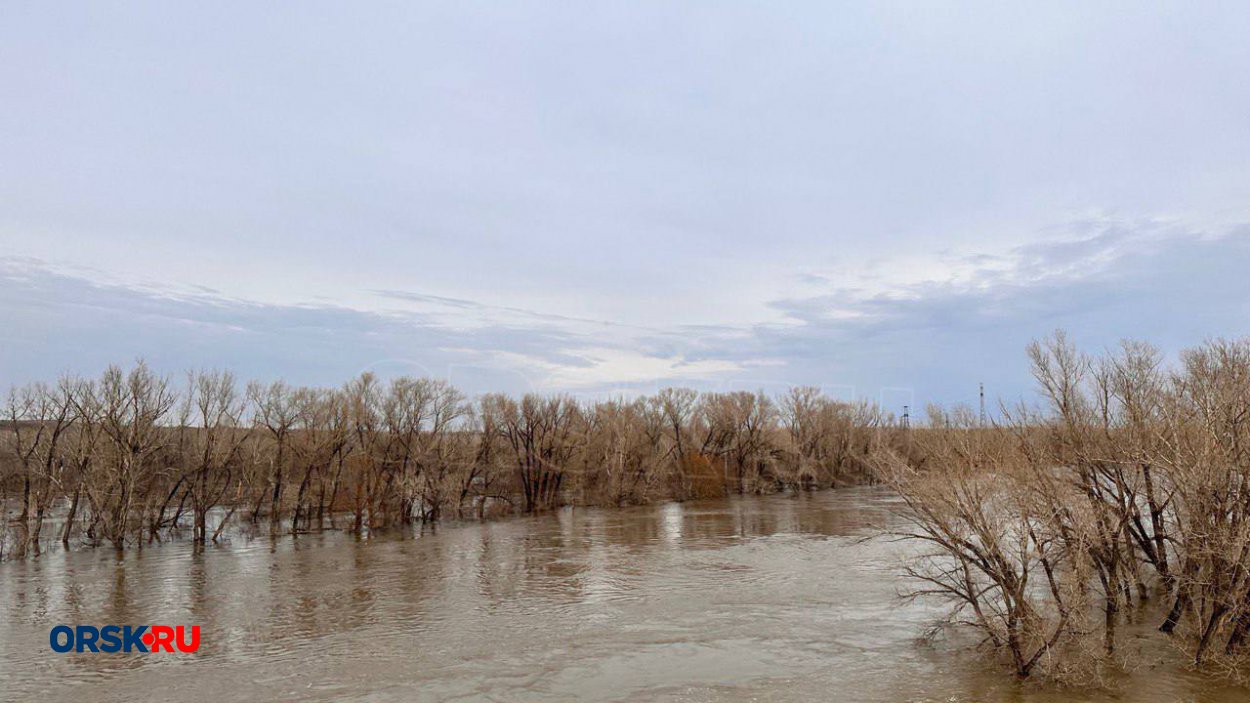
[(704, 476), (133, 456), (1127, 494)]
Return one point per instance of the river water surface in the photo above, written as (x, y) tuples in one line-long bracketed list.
[(778, 598)]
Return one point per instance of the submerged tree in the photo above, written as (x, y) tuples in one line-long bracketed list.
[(131, 456)]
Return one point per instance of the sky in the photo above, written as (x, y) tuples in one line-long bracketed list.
[(885, 200)]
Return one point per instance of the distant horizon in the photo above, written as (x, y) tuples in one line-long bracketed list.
[(892, 404), (886, 201)]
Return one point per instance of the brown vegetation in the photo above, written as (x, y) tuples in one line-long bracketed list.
[(134, 456), (1128, 494)]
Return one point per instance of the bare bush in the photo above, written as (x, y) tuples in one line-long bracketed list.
[(131, 456), (1130, 489)]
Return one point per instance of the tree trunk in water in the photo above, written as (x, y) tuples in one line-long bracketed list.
[(69, 518), (1208, 632), (1181, 604)]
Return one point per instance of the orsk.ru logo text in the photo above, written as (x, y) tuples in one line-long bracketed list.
[(125, 638)]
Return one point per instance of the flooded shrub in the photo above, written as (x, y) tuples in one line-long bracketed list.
[(132, 456), (624, 456), (704, 476), (987, 547), (1128, 491)]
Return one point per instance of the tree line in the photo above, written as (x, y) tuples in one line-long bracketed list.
[(1125, 496), (134, 456)]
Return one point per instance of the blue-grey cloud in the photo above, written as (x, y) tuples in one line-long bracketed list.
[(942, 337), (929, 340), (55, 322)]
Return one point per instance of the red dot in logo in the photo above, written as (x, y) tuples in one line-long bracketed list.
[(148, 639)]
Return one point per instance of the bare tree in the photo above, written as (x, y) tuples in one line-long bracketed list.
[(39, 417), (543, 435), (215, 437), (132, 407), (276, 408)]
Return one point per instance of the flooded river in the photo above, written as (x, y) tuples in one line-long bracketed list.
[(779, 598)]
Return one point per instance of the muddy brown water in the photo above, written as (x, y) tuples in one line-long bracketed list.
[(777, 598)]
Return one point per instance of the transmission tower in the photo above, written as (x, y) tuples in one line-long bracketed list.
[(982, 405)]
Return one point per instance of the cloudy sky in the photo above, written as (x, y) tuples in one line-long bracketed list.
[(885, 200)]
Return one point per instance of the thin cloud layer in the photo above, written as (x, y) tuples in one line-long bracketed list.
[(56, 322), (944, 335), (924, 340)]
